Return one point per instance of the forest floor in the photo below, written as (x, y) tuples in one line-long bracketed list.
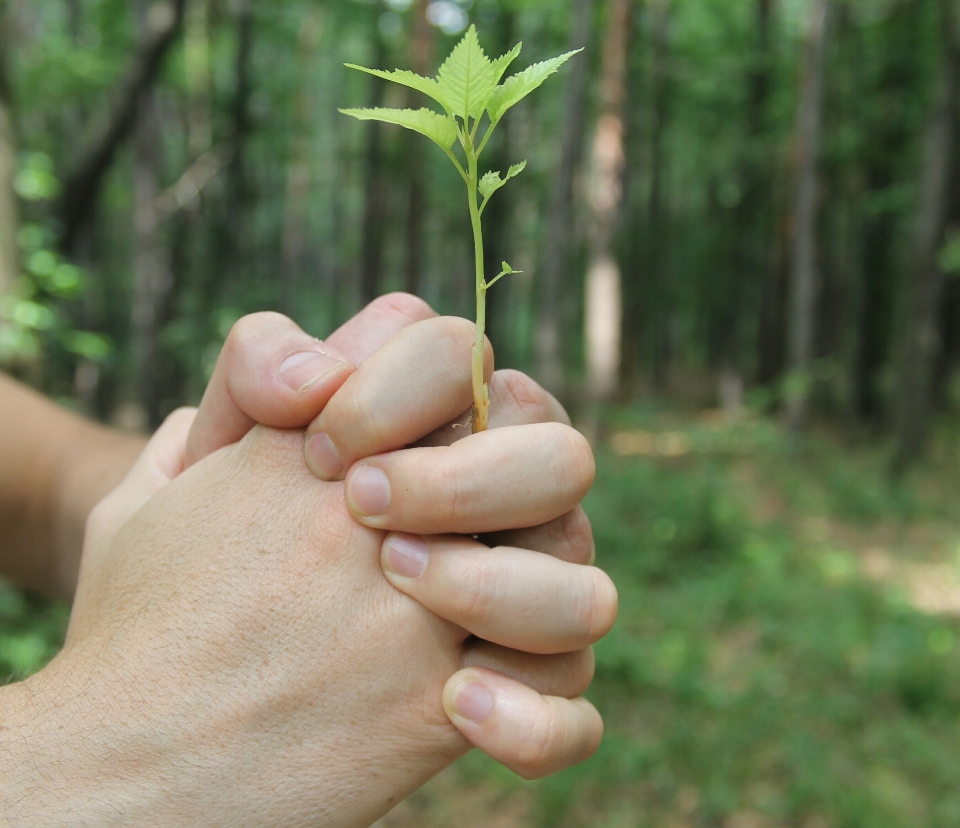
[(787, 652)]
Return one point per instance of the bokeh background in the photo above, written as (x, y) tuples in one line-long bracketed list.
[(740, 235)]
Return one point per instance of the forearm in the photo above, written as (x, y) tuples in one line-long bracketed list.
[(54, 467)]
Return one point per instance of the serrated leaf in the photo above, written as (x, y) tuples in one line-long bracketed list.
[(490, 183), (442, 129), (428, 86), (516, 169), (493, 180), (501, 64), (516, 88), (468, 77)]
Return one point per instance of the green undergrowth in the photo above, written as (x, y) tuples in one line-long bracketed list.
[(756, 677)]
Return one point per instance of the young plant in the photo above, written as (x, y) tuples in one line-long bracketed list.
[(468, 87)]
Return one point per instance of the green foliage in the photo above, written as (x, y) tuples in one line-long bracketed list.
[(467, 86)]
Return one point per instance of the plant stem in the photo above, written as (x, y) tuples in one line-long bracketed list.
[(481, 399)]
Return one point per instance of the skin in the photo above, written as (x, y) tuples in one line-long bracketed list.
[(147, 579)]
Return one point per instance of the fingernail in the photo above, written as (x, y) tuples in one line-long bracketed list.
[(300, 371), (473, 702), (405, 555), (322, 457), (369, 491)]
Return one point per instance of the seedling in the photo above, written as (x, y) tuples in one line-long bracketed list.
[(468, 87)]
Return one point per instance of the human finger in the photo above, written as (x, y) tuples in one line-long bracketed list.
[(560, 674), (273, 373), (418, 381), (568, 537), (514, 597), (532, 734), (504, 479), (515, 399)]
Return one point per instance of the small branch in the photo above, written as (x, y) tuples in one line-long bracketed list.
[(496, 279), (116, 124), (189, 186)]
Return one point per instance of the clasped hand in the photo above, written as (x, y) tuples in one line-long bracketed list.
[(236, 655)]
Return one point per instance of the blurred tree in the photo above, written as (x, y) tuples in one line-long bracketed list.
[(9, 252), (803, 268), (558, 237), (603, 300), (923, 342)]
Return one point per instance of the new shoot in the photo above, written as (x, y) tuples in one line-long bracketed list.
[(468, 88)]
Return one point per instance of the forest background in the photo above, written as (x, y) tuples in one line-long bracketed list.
[(739, 231)]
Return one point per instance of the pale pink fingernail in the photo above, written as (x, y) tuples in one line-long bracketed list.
[(322, 456), (368, 490), (405, 555), (473, 702), (299, 371)]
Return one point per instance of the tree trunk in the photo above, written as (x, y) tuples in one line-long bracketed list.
[(9, 251), (153, 279), (197, 72), (603, 290), (299, 174), (558, 237), (374, 200), (421, 48), (803, 266), (656, 270), (116, 124), (922, 343)]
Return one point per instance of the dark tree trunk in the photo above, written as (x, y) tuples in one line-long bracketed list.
[(374, 199), (9, 251), (299, 174), (656, 219), (421, 51), (803, 265), (153, 278), (922, 343), (115, 125), (553, 278)]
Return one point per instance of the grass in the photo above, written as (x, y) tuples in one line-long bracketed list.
[(778, 660)]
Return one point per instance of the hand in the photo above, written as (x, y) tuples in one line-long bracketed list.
[(382, 408), (273, 677)]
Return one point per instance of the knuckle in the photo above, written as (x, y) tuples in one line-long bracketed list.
[(450, 493), (483, 579), (404, 304), (570, 458), (530, 400), (249, 327), (599, 610), (539, 753)]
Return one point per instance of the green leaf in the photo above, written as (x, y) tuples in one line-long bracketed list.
[(516, 88), (467, 77), (428, 86), (442, 129), (506, 270), (493, 181), (501, 64)]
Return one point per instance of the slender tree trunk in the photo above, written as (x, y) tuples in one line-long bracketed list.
[(656, 219), (558, 238), (112, 127), (421, 49), (803, 267), (197, 72), (299, 174), (374, 201), (153, 279), (922, 343), (9, 252), (603, 289)]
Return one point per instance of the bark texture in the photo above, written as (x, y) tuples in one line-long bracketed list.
[(803, 264), (923, 341)]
